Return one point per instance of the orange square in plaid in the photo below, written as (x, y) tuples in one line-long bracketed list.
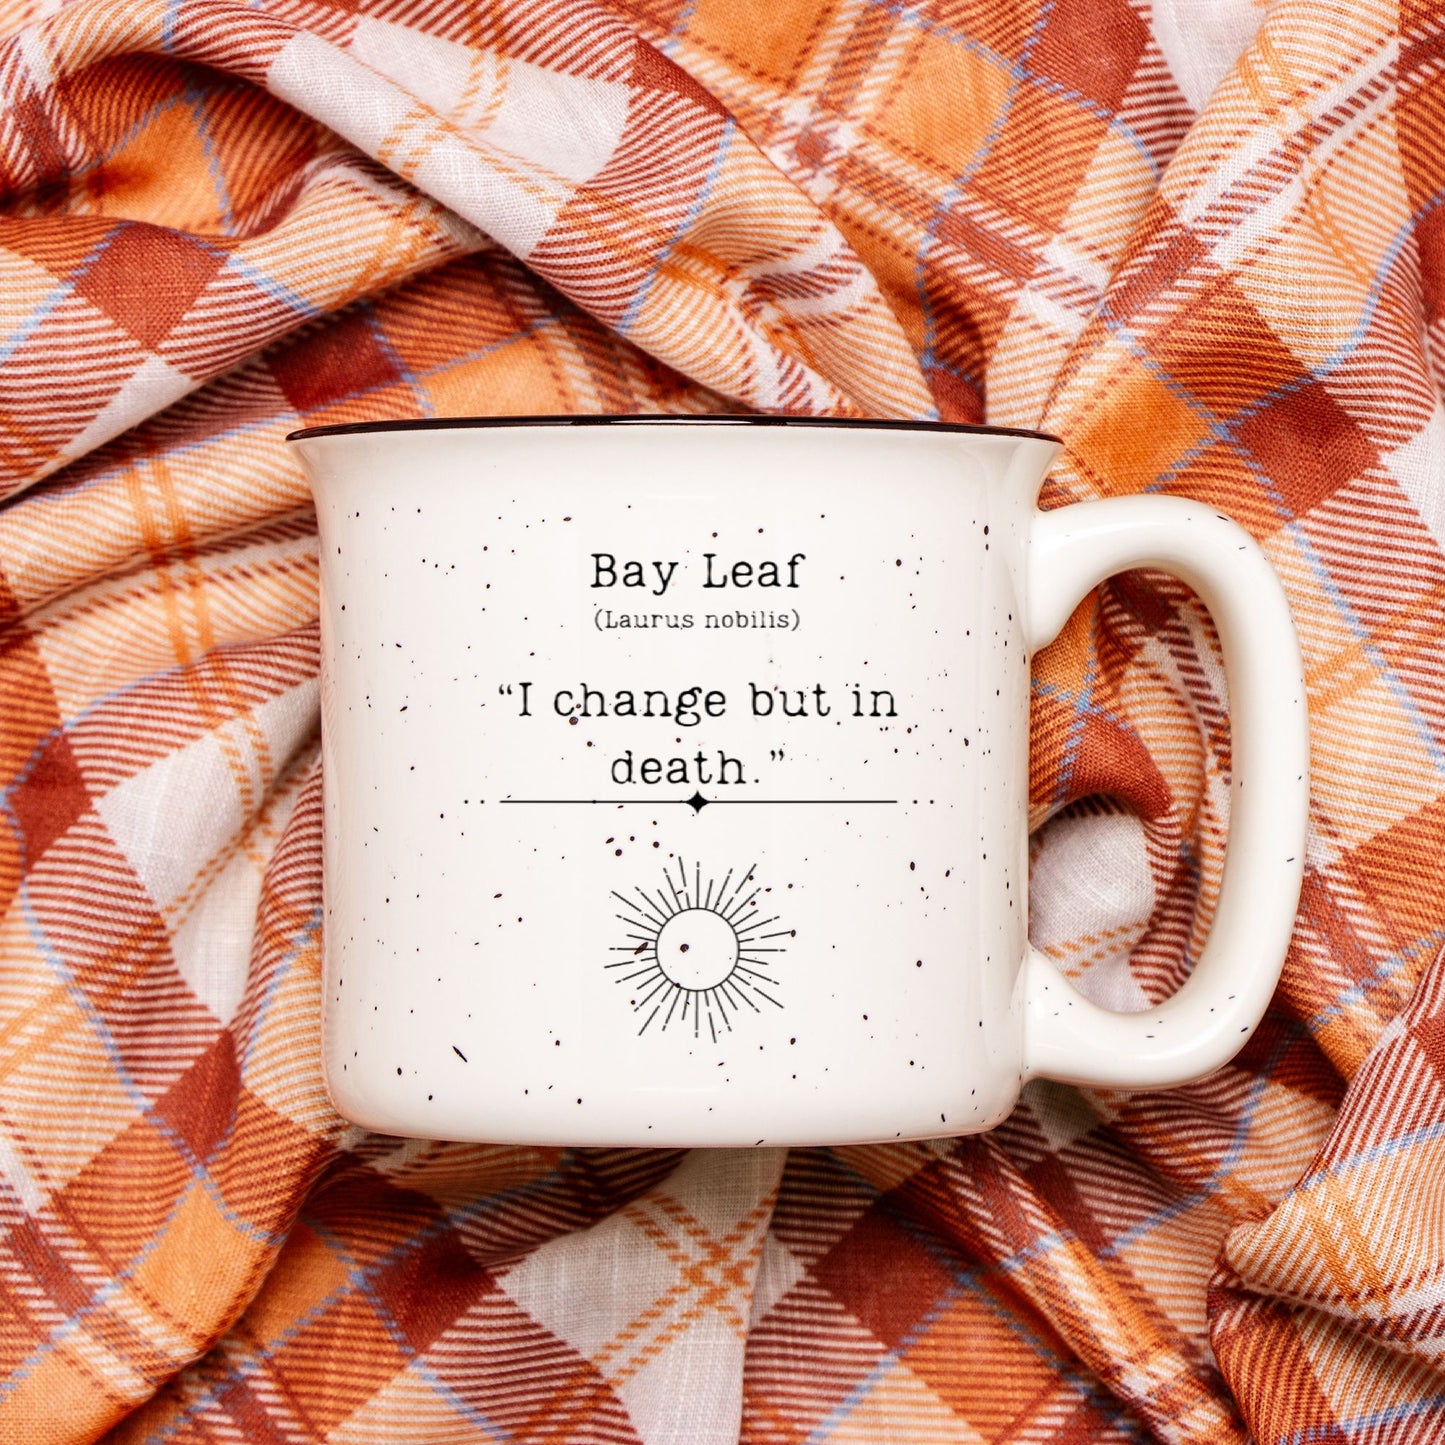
[(162, 171), (1146, 428), (520, 376), (70, 1385), (162, 1288), (772, 42), (306, 1276), (911, 122)]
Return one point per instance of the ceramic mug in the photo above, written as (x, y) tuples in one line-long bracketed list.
[(676, 778)]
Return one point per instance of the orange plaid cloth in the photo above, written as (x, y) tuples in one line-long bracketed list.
[(1204, 243)]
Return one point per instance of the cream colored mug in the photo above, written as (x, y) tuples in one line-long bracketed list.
[(676, 778)]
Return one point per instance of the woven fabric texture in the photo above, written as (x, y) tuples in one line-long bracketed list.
[(1204, 243)]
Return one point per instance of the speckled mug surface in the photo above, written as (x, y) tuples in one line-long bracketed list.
[(676, 779)]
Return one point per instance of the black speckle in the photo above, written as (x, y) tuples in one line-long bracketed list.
[(458, 1053)]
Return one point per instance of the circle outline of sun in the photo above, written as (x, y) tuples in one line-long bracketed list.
[(658, 992)]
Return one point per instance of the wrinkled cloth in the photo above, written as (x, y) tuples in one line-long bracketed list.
[(1203, 243)]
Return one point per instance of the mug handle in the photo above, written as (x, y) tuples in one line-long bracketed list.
[(1207, 1020)]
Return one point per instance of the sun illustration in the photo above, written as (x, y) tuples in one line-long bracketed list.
[(697, 951)]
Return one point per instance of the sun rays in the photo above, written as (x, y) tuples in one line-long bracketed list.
[(697, 953)]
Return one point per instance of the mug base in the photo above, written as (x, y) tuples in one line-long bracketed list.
[(671, 1122)]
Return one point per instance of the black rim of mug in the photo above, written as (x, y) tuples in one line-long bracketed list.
[(449, 423)]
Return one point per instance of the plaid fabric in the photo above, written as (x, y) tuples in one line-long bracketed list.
[(1203, 243)]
